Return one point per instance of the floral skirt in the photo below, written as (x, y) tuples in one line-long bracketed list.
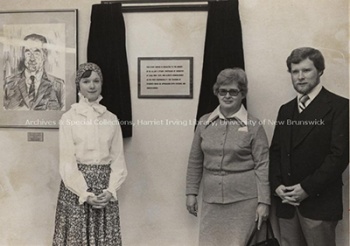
[(82, 225)]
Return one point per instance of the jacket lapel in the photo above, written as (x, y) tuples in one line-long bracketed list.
[(23, 89), (287, 133), (317, 109)]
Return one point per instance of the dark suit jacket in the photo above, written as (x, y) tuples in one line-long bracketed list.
[(50, 94), (314, 155)]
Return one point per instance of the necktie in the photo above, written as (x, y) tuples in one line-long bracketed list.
[(302, 102), (31, 93)]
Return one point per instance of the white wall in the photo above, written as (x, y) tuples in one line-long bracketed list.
[(152, 200)]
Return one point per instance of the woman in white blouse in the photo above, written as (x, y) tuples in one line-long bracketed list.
[(92, 168)]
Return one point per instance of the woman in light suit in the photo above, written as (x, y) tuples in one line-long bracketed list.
[(229, 155)]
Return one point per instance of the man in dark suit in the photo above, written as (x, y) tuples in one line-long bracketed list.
[(33, 88), (308, 154)]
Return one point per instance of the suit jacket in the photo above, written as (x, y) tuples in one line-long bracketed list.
[(49, 96), (312, 151)]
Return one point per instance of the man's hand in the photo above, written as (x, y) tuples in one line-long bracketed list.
[(296, 192), (282, 192)]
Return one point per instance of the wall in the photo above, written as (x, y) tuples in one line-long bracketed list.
[(152, 200)]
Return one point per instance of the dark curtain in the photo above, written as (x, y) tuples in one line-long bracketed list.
[(106, 48), (223, 49)]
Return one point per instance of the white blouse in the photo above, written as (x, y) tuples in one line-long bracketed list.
[(90, 134)]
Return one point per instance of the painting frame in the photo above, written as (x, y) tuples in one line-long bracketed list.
[(165, 77), (21, 31)]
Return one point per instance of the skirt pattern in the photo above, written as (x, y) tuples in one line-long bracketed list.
[(82, 225)]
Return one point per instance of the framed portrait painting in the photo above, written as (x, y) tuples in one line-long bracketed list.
[(38, 61)]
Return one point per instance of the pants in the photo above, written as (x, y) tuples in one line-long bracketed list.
[(301, 231)]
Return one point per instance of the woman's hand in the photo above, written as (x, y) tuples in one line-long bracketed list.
[(262, 213), (192, 205), (105, 196), (99, 201)]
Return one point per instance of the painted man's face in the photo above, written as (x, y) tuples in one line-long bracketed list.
[(34, 56)]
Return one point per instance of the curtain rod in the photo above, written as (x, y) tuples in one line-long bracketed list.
[(160, 1), (162, 5)]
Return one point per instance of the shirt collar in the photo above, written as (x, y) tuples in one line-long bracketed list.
[(313, 93), (241, 115), (84, 106), (37, 75), (85, 100)]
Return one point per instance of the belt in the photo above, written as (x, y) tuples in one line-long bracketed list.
[(225, 172)]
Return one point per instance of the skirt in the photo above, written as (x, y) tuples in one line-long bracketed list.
[(82, 225), (227, 224)]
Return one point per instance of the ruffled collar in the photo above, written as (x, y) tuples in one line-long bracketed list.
[(85, 107)]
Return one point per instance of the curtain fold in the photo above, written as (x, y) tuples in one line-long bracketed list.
[(223, 49), (106, 48)]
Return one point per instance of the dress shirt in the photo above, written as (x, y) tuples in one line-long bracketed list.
[(231, 155), (312, 94), (90, 134)]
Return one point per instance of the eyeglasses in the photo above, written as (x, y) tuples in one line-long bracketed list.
[(232, 92)]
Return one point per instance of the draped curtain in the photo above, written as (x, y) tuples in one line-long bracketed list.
[(106, 48), (223, 49)]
